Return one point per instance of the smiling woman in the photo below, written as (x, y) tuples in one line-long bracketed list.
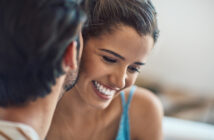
[(108, 66), (118, 38)]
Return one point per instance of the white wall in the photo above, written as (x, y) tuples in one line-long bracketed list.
[(184, 54)]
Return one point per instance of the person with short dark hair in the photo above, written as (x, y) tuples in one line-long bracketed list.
[(38, 46), (104, 104)]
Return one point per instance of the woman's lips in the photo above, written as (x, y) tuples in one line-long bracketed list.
[(103, 92)]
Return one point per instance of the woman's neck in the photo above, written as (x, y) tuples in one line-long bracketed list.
[(80, 112), (79, 109), (75, 115)]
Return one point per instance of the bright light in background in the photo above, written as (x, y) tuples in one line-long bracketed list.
[(184, 53)]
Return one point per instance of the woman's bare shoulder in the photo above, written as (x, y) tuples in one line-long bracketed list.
[(146, 115), (144, 97)]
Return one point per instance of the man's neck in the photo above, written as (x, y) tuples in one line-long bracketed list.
[(37, 114)]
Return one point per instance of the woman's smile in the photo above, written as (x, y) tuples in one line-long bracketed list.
[(103, 91)]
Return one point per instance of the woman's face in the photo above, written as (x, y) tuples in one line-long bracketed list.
[(110, 63)]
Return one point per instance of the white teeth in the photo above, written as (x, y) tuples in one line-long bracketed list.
[(112, 92), (108, 91), (104, 90)]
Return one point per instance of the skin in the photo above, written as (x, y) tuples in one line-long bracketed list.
[(114, 61), (38, 114), (72, 75)]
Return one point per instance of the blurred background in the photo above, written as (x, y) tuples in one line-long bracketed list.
[(180, 69)]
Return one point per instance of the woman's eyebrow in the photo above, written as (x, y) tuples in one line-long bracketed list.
[(140, 63), (113, 53), (121, 57)]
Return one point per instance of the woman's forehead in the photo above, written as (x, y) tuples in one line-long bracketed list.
[(125, 41)]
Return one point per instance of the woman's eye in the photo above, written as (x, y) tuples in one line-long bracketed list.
[(109, 60), (133, 69)]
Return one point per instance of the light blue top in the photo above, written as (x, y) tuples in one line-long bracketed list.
[(124, 128)]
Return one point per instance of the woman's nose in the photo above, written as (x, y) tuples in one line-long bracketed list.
[(118, 78)]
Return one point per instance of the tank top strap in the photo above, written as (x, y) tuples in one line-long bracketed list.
[(130, 95), (122, 93), (124, 128), (124, 102)]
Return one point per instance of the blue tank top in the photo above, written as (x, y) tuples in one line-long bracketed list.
[(124, 128)]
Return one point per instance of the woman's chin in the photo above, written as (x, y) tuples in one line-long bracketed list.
[(101, 106)]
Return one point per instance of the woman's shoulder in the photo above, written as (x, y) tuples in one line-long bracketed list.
[(145, 114), (144, 98)]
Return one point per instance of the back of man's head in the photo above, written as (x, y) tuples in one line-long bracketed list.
[(34, 35)]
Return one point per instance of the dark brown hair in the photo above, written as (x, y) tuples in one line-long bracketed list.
[(104, 16), (34, 35)]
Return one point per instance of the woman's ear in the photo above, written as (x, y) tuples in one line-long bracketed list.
[(70, 57)]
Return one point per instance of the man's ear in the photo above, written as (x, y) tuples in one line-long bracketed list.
[(70, 56)]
